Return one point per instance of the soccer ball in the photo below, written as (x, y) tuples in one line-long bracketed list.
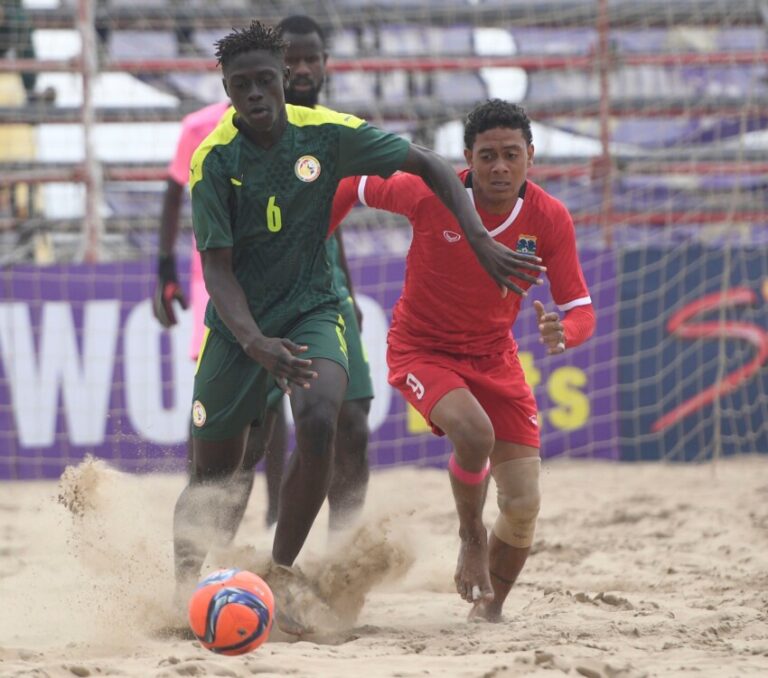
[(231, 611)]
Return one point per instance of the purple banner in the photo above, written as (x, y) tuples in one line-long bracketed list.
[(86, 369)]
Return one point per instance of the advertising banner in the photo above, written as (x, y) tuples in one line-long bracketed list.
[(693, 348), (86, 369)]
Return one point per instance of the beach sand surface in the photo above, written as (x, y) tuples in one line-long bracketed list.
[(636, 570)]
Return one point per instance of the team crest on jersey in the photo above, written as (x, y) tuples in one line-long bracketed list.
[(307, 168), (198, 414), (526, 244), (450, 236)]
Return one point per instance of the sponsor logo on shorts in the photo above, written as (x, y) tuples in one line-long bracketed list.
[(416, 386), (526, 244), (534, 420), (450, 236), (307, 168), (198, 414)]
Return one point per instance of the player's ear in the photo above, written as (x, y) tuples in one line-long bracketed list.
[(531, 152), (468, 156), (224, 82), (286, 75)]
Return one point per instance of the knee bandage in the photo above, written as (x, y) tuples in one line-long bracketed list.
[(518, 496)]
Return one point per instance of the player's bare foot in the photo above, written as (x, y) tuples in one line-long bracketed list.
[(299, 609), (485, 611), (472, 580), (285, 619)]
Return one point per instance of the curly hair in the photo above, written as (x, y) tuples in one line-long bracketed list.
[(496, 113), (256, 36)]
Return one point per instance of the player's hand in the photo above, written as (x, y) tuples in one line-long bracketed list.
[(279, 357), (501, 262), (551, 329), (167, 291)]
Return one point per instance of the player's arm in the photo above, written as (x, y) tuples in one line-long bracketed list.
[(343, 201), (167, 289), (499, 261), (277, 355), (573, 329), (569, 290), (364, 149)]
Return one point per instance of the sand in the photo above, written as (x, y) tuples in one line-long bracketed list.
[(637, 570)]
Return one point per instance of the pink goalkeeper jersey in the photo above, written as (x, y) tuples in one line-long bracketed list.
[(194, 128)]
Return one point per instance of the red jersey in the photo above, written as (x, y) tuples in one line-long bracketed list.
[(449, 302)]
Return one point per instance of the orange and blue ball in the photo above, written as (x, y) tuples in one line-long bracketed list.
[(231, 612)]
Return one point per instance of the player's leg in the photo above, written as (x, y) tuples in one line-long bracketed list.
[(349, 483), (259, 444), (499, 385), (308, 472), (189, 453), (229, 390), (434, 385), (315, 415), (518, 497), (275, 463), (470, 431), (200, 507)]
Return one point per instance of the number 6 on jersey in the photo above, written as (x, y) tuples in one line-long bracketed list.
[(274, 216)]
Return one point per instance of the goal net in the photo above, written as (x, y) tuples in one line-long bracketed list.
[(650, 125)]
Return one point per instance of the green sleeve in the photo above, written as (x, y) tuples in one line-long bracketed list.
[(368, 150), (210, 207)]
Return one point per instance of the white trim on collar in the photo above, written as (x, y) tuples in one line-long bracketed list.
[(508, 221)]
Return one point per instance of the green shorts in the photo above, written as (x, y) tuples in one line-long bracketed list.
[(230, 390), (360, 384)]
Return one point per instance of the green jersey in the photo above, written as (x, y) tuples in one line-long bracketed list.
[(272, 206), (340, 284)]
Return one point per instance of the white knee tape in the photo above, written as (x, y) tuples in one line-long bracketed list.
[(519, 499)]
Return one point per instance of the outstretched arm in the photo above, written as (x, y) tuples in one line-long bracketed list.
[(275, 354), (499, 261)]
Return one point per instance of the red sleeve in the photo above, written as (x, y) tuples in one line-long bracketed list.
[(566, 279), (343, 202), (579, 324), (402, 193)]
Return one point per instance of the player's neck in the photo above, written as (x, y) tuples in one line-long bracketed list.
[(494, 206), (267, 138)]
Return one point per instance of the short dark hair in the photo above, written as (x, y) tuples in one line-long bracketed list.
[(257, 36), (496, 113), (301, 24)]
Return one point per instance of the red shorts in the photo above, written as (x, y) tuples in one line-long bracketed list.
[(497, 382)]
